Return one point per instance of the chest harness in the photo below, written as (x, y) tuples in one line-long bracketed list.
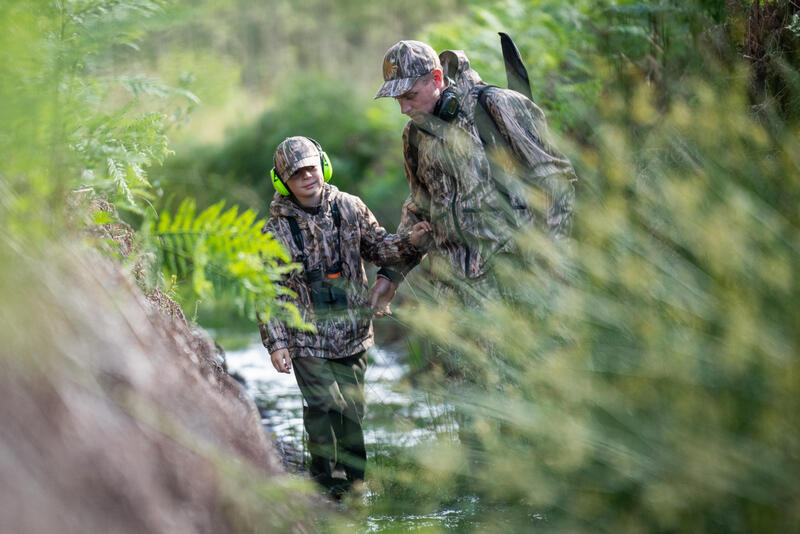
[(325, 284)]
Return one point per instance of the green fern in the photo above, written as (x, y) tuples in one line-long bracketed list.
[(224, 253), (113, 145)]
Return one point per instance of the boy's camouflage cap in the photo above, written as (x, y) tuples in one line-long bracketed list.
[(403, 64), (294, 153)]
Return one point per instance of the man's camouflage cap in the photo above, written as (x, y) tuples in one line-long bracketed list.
[(403, 64), (294, 153)]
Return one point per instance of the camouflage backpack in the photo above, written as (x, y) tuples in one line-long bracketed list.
[(456, 67)]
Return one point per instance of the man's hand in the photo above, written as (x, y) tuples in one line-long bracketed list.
[(421, 235), (380, 295), (281, 360)]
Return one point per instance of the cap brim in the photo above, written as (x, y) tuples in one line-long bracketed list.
[(305, 162), (394, 88)]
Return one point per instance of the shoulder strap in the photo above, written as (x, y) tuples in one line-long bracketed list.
[(337, 221), (489, 132), (337, 217), (297, 236), (487, 127), (413, 143)]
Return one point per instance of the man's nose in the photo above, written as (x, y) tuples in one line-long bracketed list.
[(405, 107)]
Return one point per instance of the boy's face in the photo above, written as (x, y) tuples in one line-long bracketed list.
[(306, 185)]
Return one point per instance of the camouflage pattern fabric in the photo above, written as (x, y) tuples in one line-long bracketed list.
[(350, 331), (452, 185), (294, 153), (403, 64), (333, 416)]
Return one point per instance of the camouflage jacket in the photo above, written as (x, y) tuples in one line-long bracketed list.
[(349, 331), (454, 188)]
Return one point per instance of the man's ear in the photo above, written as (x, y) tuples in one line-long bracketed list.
[(438, 78)]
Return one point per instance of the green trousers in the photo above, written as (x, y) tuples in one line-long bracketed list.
[(333, 391)]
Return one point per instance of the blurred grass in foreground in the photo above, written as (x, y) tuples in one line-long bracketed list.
[(107, 414), (645, 377)]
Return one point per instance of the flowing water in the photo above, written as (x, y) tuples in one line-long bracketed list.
[(396, 416)]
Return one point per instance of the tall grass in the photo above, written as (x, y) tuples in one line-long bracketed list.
[(642, 377)]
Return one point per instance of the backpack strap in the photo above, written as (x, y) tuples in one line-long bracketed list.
[(413, 143), (490, 136), (337, 221), (337, 216), (487, 127), (297, 234), (297, 237)]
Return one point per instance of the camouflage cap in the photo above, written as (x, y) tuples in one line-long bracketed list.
[(294, 153), (403, 64)]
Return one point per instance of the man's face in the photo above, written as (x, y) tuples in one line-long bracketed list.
[(422, 97), (306, 185)]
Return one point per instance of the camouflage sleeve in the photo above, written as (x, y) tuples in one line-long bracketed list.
[(416, 208), (379, 246), (274, 334), (523, 127)]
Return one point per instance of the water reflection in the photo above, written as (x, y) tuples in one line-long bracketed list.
[(397, 415)]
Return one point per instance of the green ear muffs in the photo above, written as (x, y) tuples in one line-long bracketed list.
[(324, 162), (278, 184)]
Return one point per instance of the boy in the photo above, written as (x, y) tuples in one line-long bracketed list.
[(328, 232)]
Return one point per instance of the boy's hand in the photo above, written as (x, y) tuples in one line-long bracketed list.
[(281, 360), (380, 295), (421, 235)]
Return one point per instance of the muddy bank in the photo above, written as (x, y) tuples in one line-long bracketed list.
[(116, 415)]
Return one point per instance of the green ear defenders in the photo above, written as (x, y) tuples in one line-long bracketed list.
[(324, 163), (278, 184)]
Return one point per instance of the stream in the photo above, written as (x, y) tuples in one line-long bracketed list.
[(396, 416)]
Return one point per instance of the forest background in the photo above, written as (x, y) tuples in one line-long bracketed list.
[(661, 368)]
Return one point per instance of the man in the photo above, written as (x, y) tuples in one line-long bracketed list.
[(475, 158)]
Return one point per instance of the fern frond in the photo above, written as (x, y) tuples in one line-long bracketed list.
[(225, 253)]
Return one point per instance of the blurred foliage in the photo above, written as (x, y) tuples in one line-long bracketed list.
[(300, 75), (361, 140), (61, 129), (646, 378), (114, 123), (275, 40), (643, 377), (83, 126), (75, 121), (555, 40), (91, 125)]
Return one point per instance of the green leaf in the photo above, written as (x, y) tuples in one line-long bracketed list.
[(102, 217)]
